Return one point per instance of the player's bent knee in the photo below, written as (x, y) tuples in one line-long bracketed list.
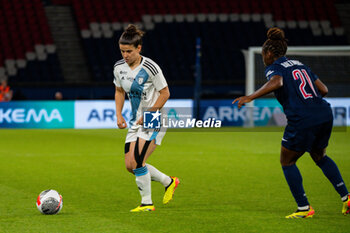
[(317, 158), (130, 164), (287, 163), (130, 167), (289, 157), (318, 154)]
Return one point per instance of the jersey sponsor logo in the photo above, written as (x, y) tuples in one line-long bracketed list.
[(136, 94), (140, 81), (123, 72)]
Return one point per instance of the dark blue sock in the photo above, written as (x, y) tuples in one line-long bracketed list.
[(295, 182), (331, 171)]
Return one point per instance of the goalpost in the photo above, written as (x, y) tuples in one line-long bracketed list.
[(330, 63)]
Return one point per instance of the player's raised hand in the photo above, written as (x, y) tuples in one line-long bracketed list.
[(121, 122), (241, 101), (139, 121)]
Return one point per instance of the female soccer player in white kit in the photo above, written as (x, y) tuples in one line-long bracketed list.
[(143, 81)]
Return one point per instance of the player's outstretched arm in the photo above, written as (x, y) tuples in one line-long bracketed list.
[(322, 88), (119, 103), (273, 84)]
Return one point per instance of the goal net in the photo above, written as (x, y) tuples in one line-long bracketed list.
[(330, 63)]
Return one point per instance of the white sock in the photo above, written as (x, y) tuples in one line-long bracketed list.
[(303, 208), (345, 198), (143, 181), (159, 176)]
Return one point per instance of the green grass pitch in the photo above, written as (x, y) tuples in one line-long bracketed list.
[(230, 182)]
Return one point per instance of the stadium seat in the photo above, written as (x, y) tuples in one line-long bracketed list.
[(173, 26), (26, 41)]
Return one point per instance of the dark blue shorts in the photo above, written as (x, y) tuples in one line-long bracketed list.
[(307, 139)]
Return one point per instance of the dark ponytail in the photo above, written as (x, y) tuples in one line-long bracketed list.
[(276, 42), (131, 36)]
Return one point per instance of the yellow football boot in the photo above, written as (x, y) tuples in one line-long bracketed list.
[(346, 206), (302, 213), (169, 191), (143, 208)]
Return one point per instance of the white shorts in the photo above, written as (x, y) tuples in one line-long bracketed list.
[(147, 134)]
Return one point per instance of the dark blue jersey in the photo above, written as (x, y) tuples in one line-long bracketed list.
[(299, 96)]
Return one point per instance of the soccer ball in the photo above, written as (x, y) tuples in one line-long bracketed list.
[(49, 202)]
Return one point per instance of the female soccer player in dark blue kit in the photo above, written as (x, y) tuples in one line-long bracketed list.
[(310, 119)]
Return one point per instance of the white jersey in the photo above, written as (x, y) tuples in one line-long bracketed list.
[(142, 85)]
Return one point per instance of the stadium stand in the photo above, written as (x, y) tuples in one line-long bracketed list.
[(226, 28), (172, 27), (28, 52)]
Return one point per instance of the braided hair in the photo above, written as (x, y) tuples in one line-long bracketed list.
[(276, 43), (131, 36)]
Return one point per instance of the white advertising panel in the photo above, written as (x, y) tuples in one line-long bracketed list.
[(98, 114), (101, 114), (341, 110)]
